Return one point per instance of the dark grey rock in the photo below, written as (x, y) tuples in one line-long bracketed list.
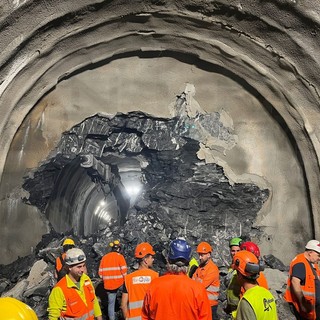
[(275, 263)]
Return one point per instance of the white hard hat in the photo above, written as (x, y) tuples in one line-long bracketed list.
[(75, 256), (313, 245)]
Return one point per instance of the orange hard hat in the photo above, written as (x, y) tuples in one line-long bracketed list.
[(143, 249), (204, 247), (247, 264)]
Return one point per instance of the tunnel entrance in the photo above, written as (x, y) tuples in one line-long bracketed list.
[(142, 173)]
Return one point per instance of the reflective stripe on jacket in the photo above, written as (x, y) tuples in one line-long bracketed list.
[(112, 270), (77, 309), (209, 277), (262, 303), (137, 284), (308, 289)]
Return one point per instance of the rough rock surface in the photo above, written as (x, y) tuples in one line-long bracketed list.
[(180, 194)]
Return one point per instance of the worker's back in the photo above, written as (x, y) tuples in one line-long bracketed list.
[(173, 297)]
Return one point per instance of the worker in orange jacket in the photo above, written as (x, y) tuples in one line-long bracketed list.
[(174, 296), (137, 282), (303, 286), (60, 269), (208, 275), (73, 297), (112, 270)]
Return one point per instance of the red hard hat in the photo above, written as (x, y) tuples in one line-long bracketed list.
[(250, 246), (204, 247), (143, 249)]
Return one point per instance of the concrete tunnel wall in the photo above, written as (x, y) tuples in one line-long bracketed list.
[(258, 61)]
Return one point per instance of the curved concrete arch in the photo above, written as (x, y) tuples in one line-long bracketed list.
[(48, 41)]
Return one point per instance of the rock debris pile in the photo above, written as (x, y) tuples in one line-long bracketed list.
[(30, 279)]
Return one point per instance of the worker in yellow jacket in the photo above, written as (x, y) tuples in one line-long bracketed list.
[(257, 303)]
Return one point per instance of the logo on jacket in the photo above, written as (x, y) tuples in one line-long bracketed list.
[(141, 279), (267, 304)]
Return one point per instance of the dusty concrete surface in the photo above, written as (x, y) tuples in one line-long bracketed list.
[(258, 61)]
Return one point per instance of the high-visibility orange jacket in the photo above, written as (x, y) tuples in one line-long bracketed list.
[(112, 270), (308, 289), (137, 284), (76, 307), (208, 276), (58, 261), (262, 282), (175, 297)]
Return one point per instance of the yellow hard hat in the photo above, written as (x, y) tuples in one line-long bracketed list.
[(68, 241), (115, 244), (11, 308)]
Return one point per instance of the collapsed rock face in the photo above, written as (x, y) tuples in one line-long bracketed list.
[(177, 193)]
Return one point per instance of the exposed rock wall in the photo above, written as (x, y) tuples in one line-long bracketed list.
[(179, 195)]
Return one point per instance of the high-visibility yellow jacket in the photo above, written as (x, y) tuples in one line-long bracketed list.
[(68, 300), (193, 265), (262, 303), (235, 291), (261, 281)]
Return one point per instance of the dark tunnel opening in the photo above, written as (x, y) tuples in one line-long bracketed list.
[(114, 171)]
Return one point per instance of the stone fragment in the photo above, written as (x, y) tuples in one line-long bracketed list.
[(275, 263)]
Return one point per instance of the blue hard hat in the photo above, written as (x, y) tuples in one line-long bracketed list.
[(179, 249)]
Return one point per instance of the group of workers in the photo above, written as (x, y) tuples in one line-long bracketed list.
[(179, 293), (302, 291)]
